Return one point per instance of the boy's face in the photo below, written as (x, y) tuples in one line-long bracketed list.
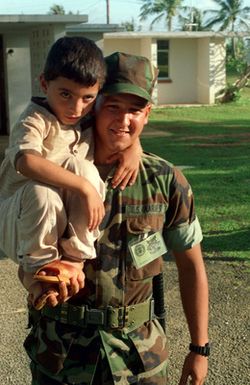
[(69, 100), (119, 121)]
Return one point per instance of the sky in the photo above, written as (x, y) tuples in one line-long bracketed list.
[(120, 10)]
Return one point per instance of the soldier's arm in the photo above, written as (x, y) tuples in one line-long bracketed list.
[(194, 294)]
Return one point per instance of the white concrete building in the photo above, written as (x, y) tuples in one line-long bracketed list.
[(192, 64)]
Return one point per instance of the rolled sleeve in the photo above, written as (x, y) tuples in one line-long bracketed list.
[(184, 237), (182, 229)]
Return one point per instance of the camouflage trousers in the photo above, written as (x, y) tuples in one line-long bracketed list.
[(63, 354), (102, 376)]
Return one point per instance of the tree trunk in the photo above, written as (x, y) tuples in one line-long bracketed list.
[(229, 94)]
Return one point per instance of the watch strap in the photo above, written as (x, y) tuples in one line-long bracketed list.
[(202, 350)]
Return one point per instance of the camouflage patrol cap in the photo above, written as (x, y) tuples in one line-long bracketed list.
[(129, 74)]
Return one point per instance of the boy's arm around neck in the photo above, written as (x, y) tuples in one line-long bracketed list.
[(128, 165)]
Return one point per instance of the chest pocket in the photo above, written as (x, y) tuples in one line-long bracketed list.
[(137, 227)]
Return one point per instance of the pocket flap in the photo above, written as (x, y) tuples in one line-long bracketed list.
[(145, 223)]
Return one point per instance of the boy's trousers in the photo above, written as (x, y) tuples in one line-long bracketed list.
[(40, 223)]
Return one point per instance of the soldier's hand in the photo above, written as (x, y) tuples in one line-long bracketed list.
[(194, 369)]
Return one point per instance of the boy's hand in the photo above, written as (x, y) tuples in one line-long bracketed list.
[(128, 168), (93, 205), (39, 293), (62, 271), (51, 289), (124, 175)]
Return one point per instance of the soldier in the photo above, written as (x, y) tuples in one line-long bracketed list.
[(107, 333)]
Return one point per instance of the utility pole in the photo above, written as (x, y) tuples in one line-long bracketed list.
[(107, 10), (191, 24)]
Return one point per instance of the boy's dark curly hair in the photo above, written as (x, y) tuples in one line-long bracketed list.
[(76, 58)]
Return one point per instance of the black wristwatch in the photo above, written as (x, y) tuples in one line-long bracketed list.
[(202, 350)]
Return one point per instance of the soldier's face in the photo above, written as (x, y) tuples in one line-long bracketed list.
[(119, 121)]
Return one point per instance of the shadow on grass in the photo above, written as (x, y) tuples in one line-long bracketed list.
[(227, 241), (187, 127)]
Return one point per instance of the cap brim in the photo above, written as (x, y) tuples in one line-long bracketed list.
[(126, 88)]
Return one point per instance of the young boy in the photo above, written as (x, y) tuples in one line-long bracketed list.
[(51, 195)]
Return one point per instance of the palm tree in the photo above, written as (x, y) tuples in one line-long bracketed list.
[(162, 8), (56, 9), (231, 16)]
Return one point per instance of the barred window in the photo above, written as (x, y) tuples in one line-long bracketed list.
[(162, 58)]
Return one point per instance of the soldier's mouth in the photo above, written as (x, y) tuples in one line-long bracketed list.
[(120, 132)]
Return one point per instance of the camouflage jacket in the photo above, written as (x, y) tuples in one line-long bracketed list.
[(161, 200)]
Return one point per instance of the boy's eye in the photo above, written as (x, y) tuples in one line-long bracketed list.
[(65, 94)]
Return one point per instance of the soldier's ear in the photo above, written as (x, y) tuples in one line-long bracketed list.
[(147, 112)]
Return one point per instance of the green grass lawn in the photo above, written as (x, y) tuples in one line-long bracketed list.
[(213, 143)]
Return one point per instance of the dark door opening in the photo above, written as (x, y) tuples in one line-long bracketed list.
[(3, 116)]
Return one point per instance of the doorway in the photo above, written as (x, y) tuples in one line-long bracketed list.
[(3, 116)]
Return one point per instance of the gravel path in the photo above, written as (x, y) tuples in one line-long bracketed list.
[(229, 320), (229, 323)]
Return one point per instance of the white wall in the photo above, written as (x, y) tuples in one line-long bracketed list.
[(211, 69), (132, 46), (219, 65), (181, 87), (205, 73), (24, 66), (18, 74), (40, 41)]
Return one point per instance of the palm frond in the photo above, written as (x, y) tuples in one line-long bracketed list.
[(156, 19)]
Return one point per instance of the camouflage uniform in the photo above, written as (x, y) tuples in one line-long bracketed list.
[(66, 353)]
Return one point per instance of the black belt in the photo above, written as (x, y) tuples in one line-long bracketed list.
[(110, 317)]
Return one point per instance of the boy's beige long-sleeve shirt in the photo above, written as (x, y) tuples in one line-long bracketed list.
[(39, 132)]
